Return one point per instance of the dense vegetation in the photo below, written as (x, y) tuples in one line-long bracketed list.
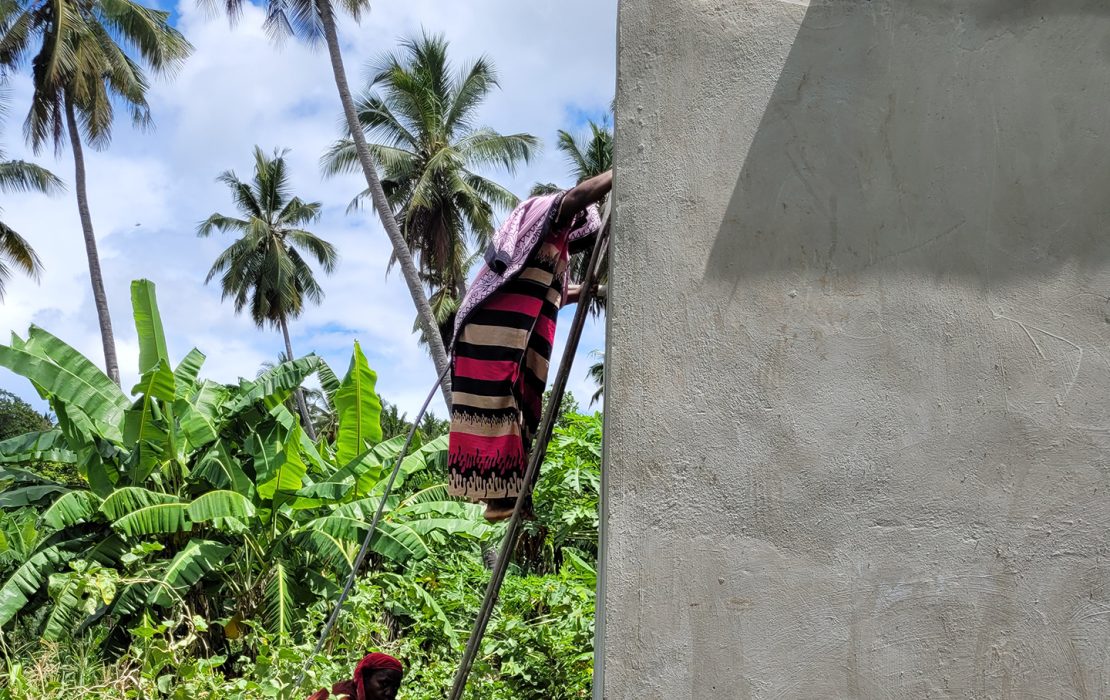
[(185, 538), (199, 556)]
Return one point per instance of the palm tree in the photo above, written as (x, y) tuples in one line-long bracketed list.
[(86, 57), (315, 20), (420, 115), (21, 176), (265, 268)]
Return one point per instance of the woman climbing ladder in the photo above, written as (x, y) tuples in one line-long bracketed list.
[(503, 336)]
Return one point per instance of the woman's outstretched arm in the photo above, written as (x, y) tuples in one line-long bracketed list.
[(584, 194)]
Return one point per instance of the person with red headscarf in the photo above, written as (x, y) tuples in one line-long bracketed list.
[(377, 677)]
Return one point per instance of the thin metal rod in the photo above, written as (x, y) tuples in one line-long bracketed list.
[(539, 451), (365, 548)]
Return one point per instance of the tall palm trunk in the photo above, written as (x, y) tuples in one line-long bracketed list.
[(302, 407), (377, 195), (111, 364)]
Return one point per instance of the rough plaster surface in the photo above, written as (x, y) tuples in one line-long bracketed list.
[(859, 349)]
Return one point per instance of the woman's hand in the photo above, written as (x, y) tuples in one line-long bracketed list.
[(574, 293)]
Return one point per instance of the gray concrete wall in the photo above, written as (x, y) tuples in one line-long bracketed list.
[(859, 348)]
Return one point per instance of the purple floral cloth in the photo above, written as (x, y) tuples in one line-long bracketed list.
[(515, 242)]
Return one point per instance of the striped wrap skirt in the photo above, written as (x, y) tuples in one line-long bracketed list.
[(499, 374)]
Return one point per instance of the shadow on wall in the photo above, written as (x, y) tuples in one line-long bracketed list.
[(967, 139)]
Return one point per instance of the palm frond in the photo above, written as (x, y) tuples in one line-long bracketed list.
[(487, 147), (472, 86), (325, 253), (147, 32), (378, 121), (18, 250), (21, 176)]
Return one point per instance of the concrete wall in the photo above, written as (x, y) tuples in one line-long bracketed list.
[(859, 348)]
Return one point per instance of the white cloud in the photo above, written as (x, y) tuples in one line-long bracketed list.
[(150, 189)]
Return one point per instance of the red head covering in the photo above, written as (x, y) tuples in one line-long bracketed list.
[(355, 687)]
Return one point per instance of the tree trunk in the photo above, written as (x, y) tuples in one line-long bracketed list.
[(111, 364), (400, 248), (302, 407)]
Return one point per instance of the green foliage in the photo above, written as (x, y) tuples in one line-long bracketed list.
[(359, 409), (395, 423), (201, 554), (18, 417), (200, 499)]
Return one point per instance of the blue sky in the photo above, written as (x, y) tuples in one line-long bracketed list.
[(556, 62)]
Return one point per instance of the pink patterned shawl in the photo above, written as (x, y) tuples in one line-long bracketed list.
[(514, 243)]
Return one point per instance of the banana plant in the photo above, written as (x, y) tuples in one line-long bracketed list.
[(194, 483)]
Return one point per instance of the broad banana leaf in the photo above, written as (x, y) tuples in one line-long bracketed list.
[(479, 530), (432, 456), (308, 448), (24, 477), (29, 578), (145, 425), (275, 385), (199, 557), (278, 611), (71, 509), (23, 496), (148, 325), (223, 471), (102, 476), (128, 499), (368, 461), (199, 418), (365, 508), (399, 542), (266, 450), (157, 382), (156, 519), (432, 494), (451, 509), (580, 566), (322, 492), (461, 518), (220, 504), (288, 476), (347, 529), (419, 459), (131, 598), (382, 459), (93, 408), (185, 376), (107, 552), (326, 548), (358, 408), (45, 345), (46, 446)]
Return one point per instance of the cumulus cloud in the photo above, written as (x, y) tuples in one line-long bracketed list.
[(147, 193)]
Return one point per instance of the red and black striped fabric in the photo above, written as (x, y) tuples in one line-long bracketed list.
[(499, 374)]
